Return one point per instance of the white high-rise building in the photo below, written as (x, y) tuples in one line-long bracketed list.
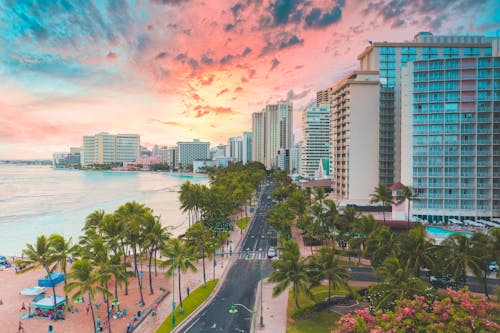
[(247, 147), (105, 148), (354, 146), (168, 155), (127, 147), (236, 148), (188, 151), (272, 131), (316, 139), (258, 136), (278, 131)]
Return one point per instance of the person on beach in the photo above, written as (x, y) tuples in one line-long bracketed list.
[(23, 307), (20, 328), (88, 308)]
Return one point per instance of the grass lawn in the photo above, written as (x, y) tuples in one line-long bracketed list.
[(316, 322), (190, 303)]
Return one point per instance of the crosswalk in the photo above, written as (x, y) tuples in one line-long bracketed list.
[(252, 255)]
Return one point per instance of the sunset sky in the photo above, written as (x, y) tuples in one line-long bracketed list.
[(174, 70)]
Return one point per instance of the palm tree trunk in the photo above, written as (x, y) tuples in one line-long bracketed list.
[(125, 267), (203, 261), (107, 309), (486, 284), (137, 273), (383, 214), (295, 297), (181, 310), (150, 277), (329, 289), (53, 287), (156, 273), (408, 216), (92, 311)]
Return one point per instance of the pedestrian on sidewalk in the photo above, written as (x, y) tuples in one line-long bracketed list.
[(188, 290)]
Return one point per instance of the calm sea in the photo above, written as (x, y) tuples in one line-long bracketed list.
[(38, 200)]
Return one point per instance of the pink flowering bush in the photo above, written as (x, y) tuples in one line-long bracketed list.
[(459, 311)]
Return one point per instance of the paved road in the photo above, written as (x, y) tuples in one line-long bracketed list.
[(367, 274), (241, 282)]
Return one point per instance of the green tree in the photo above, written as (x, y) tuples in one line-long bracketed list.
[(290, 269), (326, 265), (381, 195), (406, 194), (200, 238), (399, 283), (85, 281), (417, 249), (155, 235), (41, 254), (63, 250), (179, 256), (363, 227), (133, 214)]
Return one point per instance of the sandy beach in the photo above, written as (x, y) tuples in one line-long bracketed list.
[(79, 321)]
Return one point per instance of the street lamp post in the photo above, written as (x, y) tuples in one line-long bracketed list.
[(234, 310), (261, 301)]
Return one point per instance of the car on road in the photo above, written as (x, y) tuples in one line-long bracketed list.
[(443, 282), (271, 253), (493, 266)]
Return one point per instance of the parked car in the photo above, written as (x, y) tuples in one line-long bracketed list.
[(493, 266), (443, 282), (271, 253)]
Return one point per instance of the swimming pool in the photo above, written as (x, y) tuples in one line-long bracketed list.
[(440, 233)]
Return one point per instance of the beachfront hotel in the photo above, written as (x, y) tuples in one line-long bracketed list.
[(389, 58), (315, 139), (168, 155), (105, 148), (236, 148), (189, 151), (354, 135), (451, 135)]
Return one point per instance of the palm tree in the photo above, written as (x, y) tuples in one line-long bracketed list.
[(200, 237), (406, 194), (399, 283), (133, 214), (155, 235), (381, 243), (417, 249), (468, 253), (326, 265), (41, 255), (363, 227), (179, 256), (290, 269), (381, 195), (86, 282), (63, 250), (94, 220)]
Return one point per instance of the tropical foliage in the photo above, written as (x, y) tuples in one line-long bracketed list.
[(458, 311)]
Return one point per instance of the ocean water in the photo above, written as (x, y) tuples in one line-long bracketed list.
[(37, 200)]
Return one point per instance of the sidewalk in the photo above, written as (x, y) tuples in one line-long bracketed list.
[(274, 314)]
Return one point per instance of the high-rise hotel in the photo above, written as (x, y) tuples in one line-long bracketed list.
[(315, 139), (451, 136), (272, 134), (354, 135), (105, 148), (389, 58)]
